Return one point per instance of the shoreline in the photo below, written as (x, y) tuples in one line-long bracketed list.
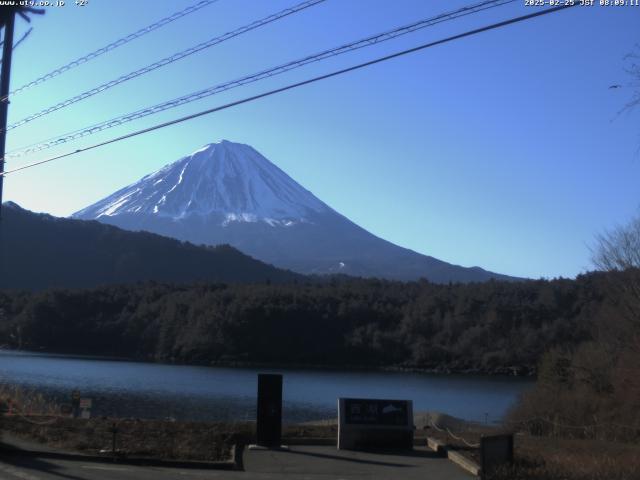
[(523, 372)]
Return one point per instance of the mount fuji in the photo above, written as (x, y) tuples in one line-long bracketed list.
[(229, 193)]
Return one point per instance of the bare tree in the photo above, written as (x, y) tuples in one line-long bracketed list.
[(619, 248), (618, 251), (633, 69), (618, 334)]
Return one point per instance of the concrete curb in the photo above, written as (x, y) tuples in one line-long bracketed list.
[(466, 463), (234, 463), (437, 446)]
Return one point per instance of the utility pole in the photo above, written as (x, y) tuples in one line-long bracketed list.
[(5, 76), (7, 22)]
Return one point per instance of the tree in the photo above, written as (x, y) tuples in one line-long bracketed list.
[(633, 69), (618, 249)]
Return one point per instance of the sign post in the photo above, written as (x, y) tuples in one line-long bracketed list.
[(269, 418), (495, 451), (75, 403)]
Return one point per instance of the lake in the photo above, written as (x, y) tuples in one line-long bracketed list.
[(148, 390)]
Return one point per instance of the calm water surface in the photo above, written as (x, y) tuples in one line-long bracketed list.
[(147, 390)]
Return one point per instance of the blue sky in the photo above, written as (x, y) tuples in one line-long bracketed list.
[(503, 150)]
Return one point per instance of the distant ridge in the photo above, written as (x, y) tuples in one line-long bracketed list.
[(40, 251), (229, 193)]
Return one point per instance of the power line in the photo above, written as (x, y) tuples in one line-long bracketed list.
[(168, 60), (298, 84), (22, 39), (112, 46), (176, 102)]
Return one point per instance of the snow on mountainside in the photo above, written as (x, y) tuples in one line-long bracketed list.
[(229, 193), (225, 178)]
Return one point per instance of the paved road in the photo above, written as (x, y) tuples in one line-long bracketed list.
[(314, 462), (303, 462), (27, 468)]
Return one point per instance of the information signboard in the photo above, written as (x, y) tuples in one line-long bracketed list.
[(366, 423), (85, 405), (376, 412)]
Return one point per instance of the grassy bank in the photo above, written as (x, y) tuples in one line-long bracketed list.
[(543, 457), (572, 459), (31, 417), (549, 458), (133, 438)]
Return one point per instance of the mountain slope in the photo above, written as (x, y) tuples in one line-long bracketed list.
[(229, 193), (40, 251)]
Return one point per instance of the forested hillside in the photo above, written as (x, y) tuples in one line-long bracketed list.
[(486, 327), (39, 251)]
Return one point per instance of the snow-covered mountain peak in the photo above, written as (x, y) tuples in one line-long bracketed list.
[(228, 193), (231, 180)]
